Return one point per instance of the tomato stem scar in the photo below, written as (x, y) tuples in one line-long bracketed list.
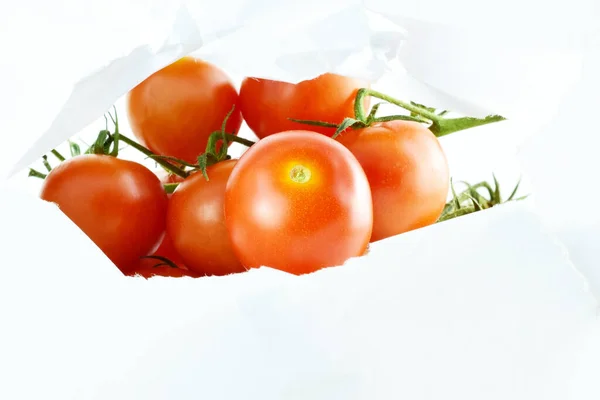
[(300, 174)]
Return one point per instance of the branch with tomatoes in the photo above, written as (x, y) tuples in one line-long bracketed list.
[(326, 177)]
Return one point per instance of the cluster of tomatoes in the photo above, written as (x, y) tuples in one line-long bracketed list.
[(304, 196)]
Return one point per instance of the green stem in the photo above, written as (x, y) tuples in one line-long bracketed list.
[(46, 163), (231, 138), (170, 187), (360, 114), (60, 157), (400, 117), (440, 126), (168, 166)]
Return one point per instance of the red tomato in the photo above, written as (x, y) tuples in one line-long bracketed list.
[(195, 222), (149, 271), (407, 171), (266, 104), (147, 266), (298, 201), (174, 111), (121, 205)]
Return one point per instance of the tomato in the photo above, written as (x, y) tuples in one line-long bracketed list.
[(147, 266), (298, 201), (174, 111), (196, 222), (407, 171), (121, 205), (266, 104)]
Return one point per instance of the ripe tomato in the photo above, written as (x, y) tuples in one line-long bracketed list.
[(298, 201), (407, 171), (121, 205), (174, 111), (196, 222), (147, 266), (266, 104)]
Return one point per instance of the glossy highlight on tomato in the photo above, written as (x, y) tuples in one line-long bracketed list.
[(119, 204), (267, 105), (408, 174), (298, 201), (174, 111), (196, 222)]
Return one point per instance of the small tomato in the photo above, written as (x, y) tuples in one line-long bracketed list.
[(267, 105), (407, 171), (196, 222), (174, 111), (298, 201), (120, 205)]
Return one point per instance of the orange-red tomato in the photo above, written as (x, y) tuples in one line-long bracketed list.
[(174, 111), (121, 205), (266, 104), (147, 267), (407, 171), (196, 225), (298, 201)]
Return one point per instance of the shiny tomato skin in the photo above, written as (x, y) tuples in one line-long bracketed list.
[(408, 173), (298, 227), (146, 267), (196, 222), (266, 104), (120, 204), (174, 111)]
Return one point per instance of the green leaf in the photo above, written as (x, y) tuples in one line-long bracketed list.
[(170, 187), (455, 201), (74, 148), (36, 174), (373, 112), (514, 192), (347, 123), (446, 126), (497, 197), (98, 146), (456, 213), (476, 204)]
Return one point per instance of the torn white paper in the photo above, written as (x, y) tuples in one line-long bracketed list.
[(483, 307), (348, 37)]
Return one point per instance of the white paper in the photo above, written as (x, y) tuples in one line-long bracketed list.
[(345, 36), (457, 310), (563, 164)]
